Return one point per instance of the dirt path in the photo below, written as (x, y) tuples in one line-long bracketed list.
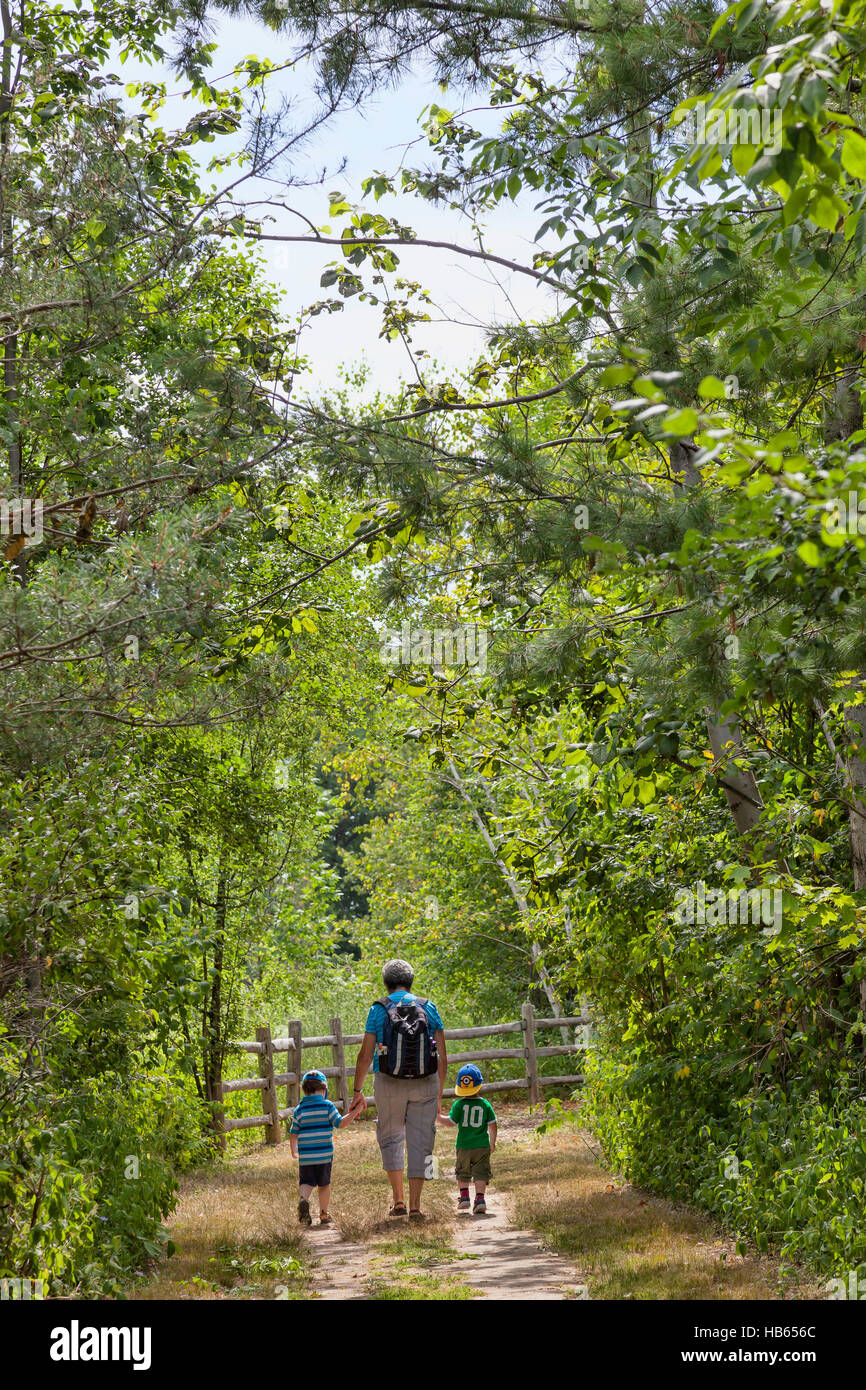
[(236, 1234), (512, 1263), (342, 1266), (492, 1258)]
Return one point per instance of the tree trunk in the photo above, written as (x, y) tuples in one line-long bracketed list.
[(741, 790), (536, 802), (855, 720), (841, 420), (740, 785), (212, 1040), (514, 889), (14, 546)]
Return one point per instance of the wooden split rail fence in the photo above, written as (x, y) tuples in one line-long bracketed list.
[(268, 1080)]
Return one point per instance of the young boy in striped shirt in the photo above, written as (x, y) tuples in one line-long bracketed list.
[(312, 1141)]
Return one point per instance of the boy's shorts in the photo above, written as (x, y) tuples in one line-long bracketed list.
[(473, 1165), (314, 1174)]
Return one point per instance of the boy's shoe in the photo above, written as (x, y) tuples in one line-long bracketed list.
[(480, 1207), (463, 1204), (325, 1219), (304, 1212)]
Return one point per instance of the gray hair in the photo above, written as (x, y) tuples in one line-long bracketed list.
[(397, 974)]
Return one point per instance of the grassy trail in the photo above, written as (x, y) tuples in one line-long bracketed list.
[(560, 1226)]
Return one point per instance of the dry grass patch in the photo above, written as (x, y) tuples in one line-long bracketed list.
[(361, 1195), (626, 1243), (235, 1232), (237, 1235)]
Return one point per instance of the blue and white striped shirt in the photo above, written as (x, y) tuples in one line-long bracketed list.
[(314, 1121)]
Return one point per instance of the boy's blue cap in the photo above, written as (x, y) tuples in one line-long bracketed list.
[(469, 1080), (315, 1076)]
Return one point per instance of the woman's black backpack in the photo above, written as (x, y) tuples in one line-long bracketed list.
[(408, 1047)]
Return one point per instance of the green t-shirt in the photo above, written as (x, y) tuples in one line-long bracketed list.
[(472, 1115)]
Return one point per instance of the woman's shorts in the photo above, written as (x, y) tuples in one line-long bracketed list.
[(473, 1165)]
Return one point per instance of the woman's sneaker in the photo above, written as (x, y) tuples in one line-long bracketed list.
[(480, 1206), (304, 1212)]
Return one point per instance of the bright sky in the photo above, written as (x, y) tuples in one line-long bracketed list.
[(372, 139)]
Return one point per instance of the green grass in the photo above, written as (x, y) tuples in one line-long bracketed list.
[(423, 1287), (410, 1275), (416, 1248)]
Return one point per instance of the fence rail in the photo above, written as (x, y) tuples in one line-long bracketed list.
[(265, 1046)]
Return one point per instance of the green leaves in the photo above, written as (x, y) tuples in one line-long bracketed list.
[(681, 422), (617, 374), (825, 210), (809, 553), (854, 154), (711, 388)]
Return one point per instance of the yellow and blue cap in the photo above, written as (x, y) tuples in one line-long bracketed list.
[(469, 1080)]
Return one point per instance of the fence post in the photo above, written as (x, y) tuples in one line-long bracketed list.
[(269, 1092), (340, 1061), (293, 1089), (219, 1119), (529, 1052)]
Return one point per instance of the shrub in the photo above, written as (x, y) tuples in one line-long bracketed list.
[(785, 1172)]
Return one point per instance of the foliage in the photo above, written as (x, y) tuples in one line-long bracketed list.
[(643, 499)]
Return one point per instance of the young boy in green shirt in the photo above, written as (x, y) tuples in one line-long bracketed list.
[(475, 1121)]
